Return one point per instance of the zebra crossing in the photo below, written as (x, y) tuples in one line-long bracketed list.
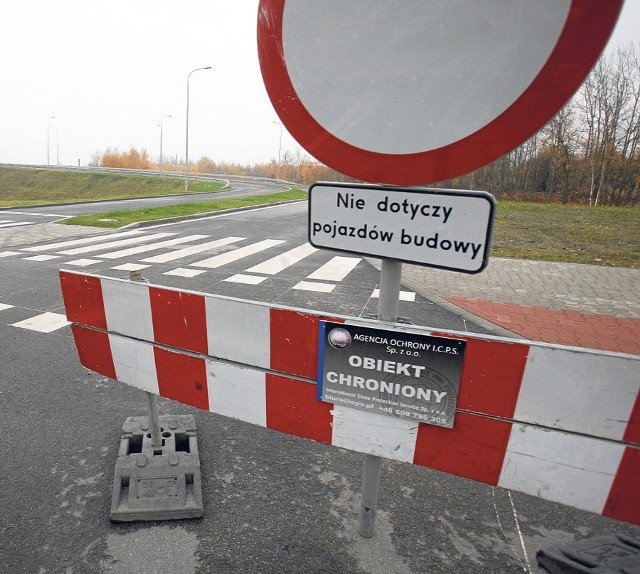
[(7, 223), (189, 256)]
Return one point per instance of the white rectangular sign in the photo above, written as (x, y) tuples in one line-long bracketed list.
[(448, 229)]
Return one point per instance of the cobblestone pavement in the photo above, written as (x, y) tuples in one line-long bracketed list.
[(45, 232), (567, 303)]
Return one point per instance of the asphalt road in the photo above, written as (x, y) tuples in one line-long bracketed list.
[(273, 503), (236, 189)]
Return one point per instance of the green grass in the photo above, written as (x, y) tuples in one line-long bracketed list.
[(546, 232), (20, 187), (121, 218), (578, 234)]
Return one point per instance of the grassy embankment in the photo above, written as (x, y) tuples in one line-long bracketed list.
[(547, 232), (21, 187), (570, 233), (121, 218)]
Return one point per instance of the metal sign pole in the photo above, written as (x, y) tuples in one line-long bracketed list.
[(388, 305), (152, 400), (154, 420)]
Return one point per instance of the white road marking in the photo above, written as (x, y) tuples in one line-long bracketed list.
[(312, 286), (70, 242), (335, 269), (281, 262), (180, 272), (44, 323), (151, 246), (83, 262), (246, 279), (4, 306), (404, 295), (118, 243), (230, 256), (41, 257), (18, 224), (39, 214), (130, 267), (165, 257), (8, 253)]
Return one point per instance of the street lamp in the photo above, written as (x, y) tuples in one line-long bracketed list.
[(279, 150), (186, 153), (57, 145), (162, 118), (48, 128)]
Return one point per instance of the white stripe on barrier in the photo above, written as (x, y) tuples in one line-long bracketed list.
[(566, 468), (567, 385), (229, 322), (374, 434), (132, 318), (237, 392), (134, 361)]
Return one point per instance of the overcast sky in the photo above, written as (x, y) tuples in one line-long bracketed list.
[(109, 71)]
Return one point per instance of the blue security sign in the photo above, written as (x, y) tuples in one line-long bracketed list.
[(448, 229), (406, 375)]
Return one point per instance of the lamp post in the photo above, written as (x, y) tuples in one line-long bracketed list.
[(57, 145), (48, 129), (161, 119), (186, 153), (279, 150)]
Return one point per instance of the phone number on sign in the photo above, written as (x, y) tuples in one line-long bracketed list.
[(420, 416)]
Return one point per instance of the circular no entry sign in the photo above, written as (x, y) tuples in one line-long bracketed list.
[(417, 91)]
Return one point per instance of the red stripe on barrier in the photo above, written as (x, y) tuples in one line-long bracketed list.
[(82, 298), (632, 434), (94, 350), (293, 408), (182, 378), (179, 319), (475, 447), (294, 342), (623, 502), (491, 377)]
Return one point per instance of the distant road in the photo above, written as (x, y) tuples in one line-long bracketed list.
[(237, 186)]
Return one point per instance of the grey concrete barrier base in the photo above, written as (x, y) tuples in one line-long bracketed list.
[(157, 483), (607, 554)]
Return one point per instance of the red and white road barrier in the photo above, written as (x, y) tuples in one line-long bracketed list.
[(555, 422)]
